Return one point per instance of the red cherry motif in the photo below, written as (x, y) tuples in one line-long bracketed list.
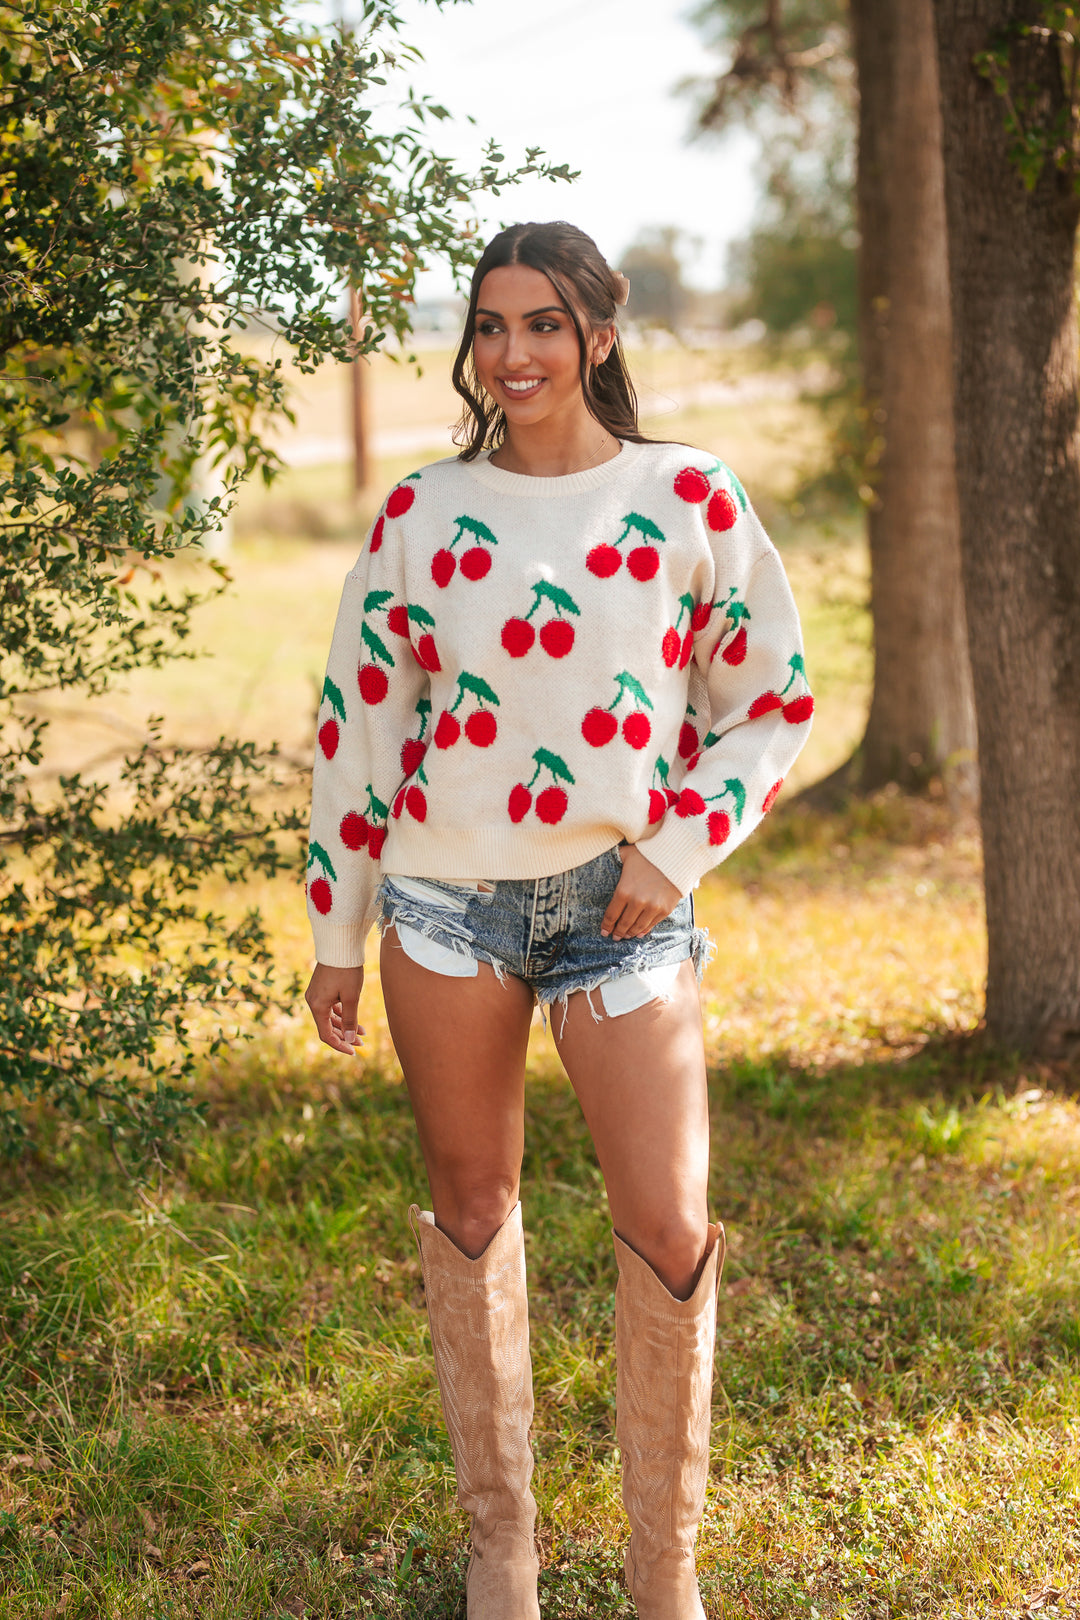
[(690, 804), (735, 651), (551, 805), (372, 682), (556, 637), (688, 740), (603, 561), (376, 840), (447, 732), (799, 709), (765, 704), (399, 804), (475, 563), (721, 512), (692, 485), (377, 534), (671, 646), (770, 797), (637, 730), (426, 655), (398, 619), (598, 727), (321, 896), (518, 636), (415, 803), (643, 562), (481, 728), (520, 802), (691, 763), (399, 500), (354, 830), (329, 737), (686, 652), (657, 805), (719, 825), (700, 616), (442, 567), (671, 796), (412, 755)]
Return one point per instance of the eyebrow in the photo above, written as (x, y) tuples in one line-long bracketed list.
[(548, 309)]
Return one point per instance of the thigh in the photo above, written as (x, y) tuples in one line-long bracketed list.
[(462, 1044), (641, 1083)]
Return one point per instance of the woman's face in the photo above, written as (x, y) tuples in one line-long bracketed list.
[(526, 349)]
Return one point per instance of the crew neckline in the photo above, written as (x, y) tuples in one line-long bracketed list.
[(578, 483)]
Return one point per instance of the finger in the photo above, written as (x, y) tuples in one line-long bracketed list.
[(615, 908), (350, 1030), (627, 925)]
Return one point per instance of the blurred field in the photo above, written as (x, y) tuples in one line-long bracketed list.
[(222, 1404)]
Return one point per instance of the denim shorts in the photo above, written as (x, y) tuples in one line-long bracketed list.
[(545, 931)]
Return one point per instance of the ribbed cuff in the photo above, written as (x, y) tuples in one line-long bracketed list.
[(675, 849), (341, 947)]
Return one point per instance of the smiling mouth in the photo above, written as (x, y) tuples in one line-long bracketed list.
[(521, 386)]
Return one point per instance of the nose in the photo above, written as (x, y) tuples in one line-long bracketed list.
[(516, 355)]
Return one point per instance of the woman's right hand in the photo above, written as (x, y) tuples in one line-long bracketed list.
[(332, 996)]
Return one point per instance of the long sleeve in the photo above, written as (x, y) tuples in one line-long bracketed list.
[(749, 675), (372, 725)]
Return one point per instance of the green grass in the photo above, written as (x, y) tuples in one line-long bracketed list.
[(219, 1401)]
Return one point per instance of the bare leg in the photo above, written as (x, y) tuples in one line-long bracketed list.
[(640, 1080), (462, 1045)]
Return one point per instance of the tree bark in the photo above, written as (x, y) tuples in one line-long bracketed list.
[(1018, 467), (922, 717)]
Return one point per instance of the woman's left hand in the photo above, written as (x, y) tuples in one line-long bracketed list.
[(644, 896)]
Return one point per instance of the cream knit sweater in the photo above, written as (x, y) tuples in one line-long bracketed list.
[(526, 670)]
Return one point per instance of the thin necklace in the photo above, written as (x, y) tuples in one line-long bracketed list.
[(583, 464)]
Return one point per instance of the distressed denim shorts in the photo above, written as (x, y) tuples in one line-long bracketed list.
[(545, 931)]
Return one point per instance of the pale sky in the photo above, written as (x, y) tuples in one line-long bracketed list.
[(592, 82)]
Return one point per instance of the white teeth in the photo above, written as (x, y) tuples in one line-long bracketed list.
[(521, 387)]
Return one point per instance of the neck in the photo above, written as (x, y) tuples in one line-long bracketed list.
[(555, 451)]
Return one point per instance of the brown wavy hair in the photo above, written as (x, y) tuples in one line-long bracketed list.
[(590, 289)]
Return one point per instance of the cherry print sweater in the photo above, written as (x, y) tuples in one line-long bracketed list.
[(525, 671)]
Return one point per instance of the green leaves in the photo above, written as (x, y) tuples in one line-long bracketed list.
[(374, 600), (317, 854), (644, 526), (627, 684), (554, 764), (375, 644), (333, 694), (554, 594), (420, 615), (474, 684), (473, 526)]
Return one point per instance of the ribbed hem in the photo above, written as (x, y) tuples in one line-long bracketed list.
[(676, 850), (490, 852), (340, 947), (578, 483)]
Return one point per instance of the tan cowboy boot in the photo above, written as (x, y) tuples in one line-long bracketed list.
[(664, 1357), (479, 1319)]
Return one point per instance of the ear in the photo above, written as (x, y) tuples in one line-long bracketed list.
[(603, 341)]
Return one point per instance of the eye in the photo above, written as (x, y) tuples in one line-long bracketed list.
[(545, 324), (487, 328)]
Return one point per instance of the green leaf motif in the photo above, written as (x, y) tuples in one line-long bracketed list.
[(737, 612), (557, 595), (473, 526), (333, 694), (627, 683), (738, 793), (317, 853), (797, 665), (419, 615), (379, 648), (554, 764), (644, 526), (374, 600), (723, 467), (375, 804), (473, 683), (662, 768)]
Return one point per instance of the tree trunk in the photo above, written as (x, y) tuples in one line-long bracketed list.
[(922, 717), (1018, 468)]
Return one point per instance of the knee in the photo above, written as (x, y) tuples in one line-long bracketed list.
[(470, 1215), (674, 1246)]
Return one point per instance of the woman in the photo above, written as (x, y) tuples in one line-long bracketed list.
[(566, 680)]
